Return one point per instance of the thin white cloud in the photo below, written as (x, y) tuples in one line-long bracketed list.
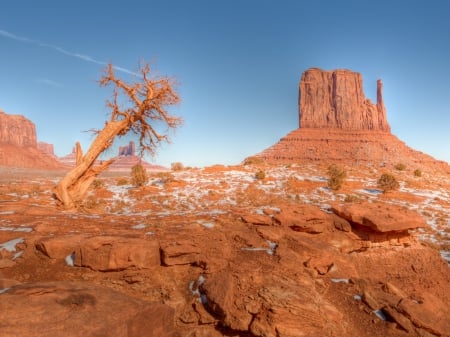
[(49, 82), (60, 50)]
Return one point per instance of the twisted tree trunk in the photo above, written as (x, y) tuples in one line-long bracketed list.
[(73, 187)]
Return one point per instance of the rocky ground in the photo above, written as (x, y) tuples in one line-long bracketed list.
[(217, 252)]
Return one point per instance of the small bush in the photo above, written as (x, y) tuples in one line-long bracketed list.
[(260, 175), (336, 177), (253, 160), (388, 182), (165, 177), (351, 198), (400, 167), (138, 175), (97, 183), (177, 166), (122, 181), (417, 173)]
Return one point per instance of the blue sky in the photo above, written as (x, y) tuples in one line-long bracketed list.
[(237, 62)]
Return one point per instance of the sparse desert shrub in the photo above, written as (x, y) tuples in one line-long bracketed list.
[(253, 160), (417, 173), (400, 167), (122, 181), (388, 182), (351, 198), (165, 177), (97, 183), (138, 175), (260, 175), (177, 166), (336, 177)]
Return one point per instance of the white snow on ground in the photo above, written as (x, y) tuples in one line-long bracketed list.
[(10, 246)]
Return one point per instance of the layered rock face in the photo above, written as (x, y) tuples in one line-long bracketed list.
[(46, 148), (127, 150), (335, 99), (19, 147), (339, 124), (17, 130)]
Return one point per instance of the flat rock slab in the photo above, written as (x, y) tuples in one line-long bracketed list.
[(103, 253), (380, 217), (77, 309)]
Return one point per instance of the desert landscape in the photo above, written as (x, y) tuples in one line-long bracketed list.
[(270, 247)]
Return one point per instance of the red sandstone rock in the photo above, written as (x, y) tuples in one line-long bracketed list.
[(76, 309), (335, 99), (46, 148), (339, 124), (303, 218), (257, 219), (18, 145), (103, 253), (380, 217), (17, 130)]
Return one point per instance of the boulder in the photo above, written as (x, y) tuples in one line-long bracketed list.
[(303, 218), (380, 217), (103, 253)]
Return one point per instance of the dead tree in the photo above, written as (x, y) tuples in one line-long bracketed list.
[(142, 110)]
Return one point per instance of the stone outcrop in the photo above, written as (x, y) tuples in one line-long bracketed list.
[(79, 309), (46, 148), (339, 124), (128, 150), (17, 130), (123, 162), (335, 99), (19, 147)]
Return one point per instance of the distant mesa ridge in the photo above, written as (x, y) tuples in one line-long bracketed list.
[(19, 146), (337, 123), (124, 161)]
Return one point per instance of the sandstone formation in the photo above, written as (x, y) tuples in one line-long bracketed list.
[(293, 270), (335, 99), (17, 130), (127, 158), (339, 124), (127, 150), (79, 309), (123, 162), (46, 148), (19, 147)]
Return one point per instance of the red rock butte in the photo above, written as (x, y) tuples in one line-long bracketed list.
[(337, 123), (19, 146)]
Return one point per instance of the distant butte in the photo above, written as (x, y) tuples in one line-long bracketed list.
[(19, 146), (337, 123)]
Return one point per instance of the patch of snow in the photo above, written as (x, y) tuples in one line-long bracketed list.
[(70, 260), (7, 212), (17, 255), (206, 224), (340, 280), (446, 256), (380, 314), (139, 226), (10, 246), (4, 290), (149, 233), (357, 297), (16, 229), (270, 250)]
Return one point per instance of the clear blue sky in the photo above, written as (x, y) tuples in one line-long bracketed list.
[(238, 63)]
